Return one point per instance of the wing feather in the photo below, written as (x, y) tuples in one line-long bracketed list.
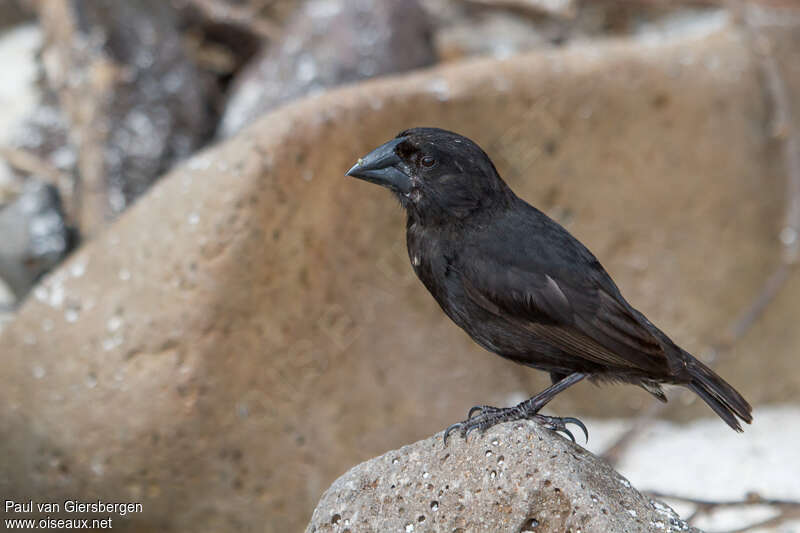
[(586, 318)]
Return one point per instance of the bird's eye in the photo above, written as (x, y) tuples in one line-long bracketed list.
[(427, 161)]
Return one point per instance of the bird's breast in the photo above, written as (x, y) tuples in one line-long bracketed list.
[(434, 258), (437, 261), (425, 254)]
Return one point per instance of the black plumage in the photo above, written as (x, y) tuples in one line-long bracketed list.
[(521, 286)]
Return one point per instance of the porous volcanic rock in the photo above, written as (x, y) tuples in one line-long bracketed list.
[(517, 477)]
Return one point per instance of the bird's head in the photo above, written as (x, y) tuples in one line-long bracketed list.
[(437, 175)]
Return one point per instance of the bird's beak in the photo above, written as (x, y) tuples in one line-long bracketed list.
[(384, 167)]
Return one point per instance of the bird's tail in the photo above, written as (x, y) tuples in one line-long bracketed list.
[(718, 394)]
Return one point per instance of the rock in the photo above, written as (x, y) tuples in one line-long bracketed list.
[(497, 33), (133, 100), (13, 12), (252, 327), (41, 146), (502, 28), (518, 477), (222, 35), (7, 303), (9, 184), (328, 43), (35, 236), (551, 8), (18, 93)]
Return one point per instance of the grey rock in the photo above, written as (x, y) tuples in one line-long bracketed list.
[(133, 99), (7, 303), (497, 33), (34, 236), (328, 43), (158, 114), (516, 477), (501, 28), (18, 92), (44, 133)]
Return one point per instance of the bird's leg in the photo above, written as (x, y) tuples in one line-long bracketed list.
[(486, 416)]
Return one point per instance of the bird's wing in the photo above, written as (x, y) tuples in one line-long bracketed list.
[(575, 307)]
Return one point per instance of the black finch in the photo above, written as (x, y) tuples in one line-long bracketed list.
[(521, 286)]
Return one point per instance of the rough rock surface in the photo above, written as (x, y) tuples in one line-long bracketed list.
[(328, 43), (252, 327), (34, 236), (18, 94), (134, 101), (517, 477), (33, 227)]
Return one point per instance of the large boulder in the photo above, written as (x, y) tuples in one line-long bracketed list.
[(252, 327), (518, 477)]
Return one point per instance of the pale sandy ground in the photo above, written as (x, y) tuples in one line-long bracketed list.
[(706, 460)]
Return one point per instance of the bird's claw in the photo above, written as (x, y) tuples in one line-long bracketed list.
[(448, 430), (465, 428), (559, 425), (481, 410), (490, 416), (483, 417), (486, 417)]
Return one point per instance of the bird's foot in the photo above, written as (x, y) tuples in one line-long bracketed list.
[(482, 417), (559, 425)]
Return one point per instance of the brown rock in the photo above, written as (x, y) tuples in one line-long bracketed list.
[(518, 477), (252, 327), (13, 12)]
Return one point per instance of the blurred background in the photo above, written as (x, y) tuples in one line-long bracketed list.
[(198, 312)]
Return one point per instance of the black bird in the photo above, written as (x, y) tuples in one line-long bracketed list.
[(521, 286)]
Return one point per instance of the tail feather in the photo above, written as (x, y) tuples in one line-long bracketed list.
[(719, 395)]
